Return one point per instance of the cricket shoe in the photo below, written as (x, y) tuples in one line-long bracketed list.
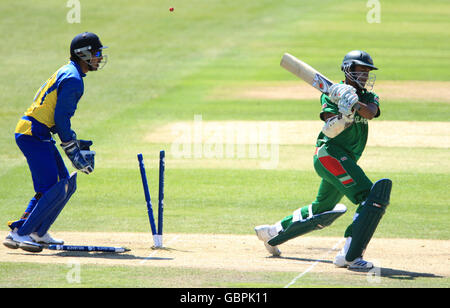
[(14, 241), (357, 264), (265, 233), (46, 239)]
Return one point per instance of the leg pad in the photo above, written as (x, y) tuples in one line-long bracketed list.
[(52, 200), (51, 217), (303, 226), (370, 215)]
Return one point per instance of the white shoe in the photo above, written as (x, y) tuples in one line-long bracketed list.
[(339, 260), (265, 233), (358, 263), (46, 239), (14, 241)]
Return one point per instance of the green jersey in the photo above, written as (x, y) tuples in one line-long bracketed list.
[(354, 138)]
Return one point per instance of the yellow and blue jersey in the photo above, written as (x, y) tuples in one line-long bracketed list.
[(54, 104)]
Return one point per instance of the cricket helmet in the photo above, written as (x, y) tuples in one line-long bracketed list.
[(357, 57), (86, 46), (362, 58)]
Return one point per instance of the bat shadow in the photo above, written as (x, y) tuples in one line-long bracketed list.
[(106, 255), (94, 255)]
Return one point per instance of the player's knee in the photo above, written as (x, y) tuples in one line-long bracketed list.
[(380, 193), (360, 196), (318, 207)]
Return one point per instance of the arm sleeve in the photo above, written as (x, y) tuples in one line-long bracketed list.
[(376, 101), (327, 106), (69, 93), (371, 98)]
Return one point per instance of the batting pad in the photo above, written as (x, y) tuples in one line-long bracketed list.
[(370, 215), (47, 204), (301, 226), (51, 217)]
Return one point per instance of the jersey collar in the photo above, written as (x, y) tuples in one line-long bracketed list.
[(78, 68)]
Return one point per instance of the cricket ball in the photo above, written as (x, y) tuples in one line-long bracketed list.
[(171, 9)]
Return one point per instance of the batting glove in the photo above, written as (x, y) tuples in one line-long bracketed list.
[(346, 103), (338, 90)]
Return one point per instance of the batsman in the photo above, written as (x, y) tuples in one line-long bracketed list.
[(50, 113), (345, 112)]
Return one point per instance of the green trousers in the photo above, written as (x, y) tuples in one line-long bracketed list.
[(341, 176)]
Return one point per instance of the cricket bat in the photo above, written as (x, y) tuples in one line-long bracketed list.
[(306, 72)]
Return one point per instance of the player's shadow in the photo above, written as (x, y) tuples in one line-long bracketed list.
[(302, 259), (391, 273), (384, 272)]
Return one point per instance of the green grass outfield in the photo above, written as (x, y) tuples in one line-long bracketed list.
[(163, 67)]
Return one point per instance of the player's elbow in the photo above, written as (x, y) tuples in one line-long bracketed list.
[(369, 116)]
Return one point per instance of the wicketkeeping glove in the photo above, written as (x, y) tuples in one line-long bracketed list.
[(82, 160), (84, 144)]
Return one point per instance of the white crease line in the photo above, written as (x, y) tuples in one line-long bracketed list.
[(156, 250), (314, 264)]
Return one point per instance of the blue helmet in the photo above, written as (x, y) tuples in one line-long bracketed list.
[(86, 46)]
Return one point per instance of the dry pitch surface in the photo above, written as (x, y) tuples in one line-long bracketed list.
[(301, 256)]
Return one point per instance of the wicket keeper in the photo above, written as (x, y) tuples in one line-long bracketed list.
[(345, 112), (50, 113)]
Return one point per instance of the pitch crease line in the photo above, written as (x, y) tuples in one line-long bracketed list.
[(314, 264), (174, 239)]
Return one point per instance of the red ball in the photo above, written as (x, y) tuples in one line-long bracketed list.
[(171, 9)]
